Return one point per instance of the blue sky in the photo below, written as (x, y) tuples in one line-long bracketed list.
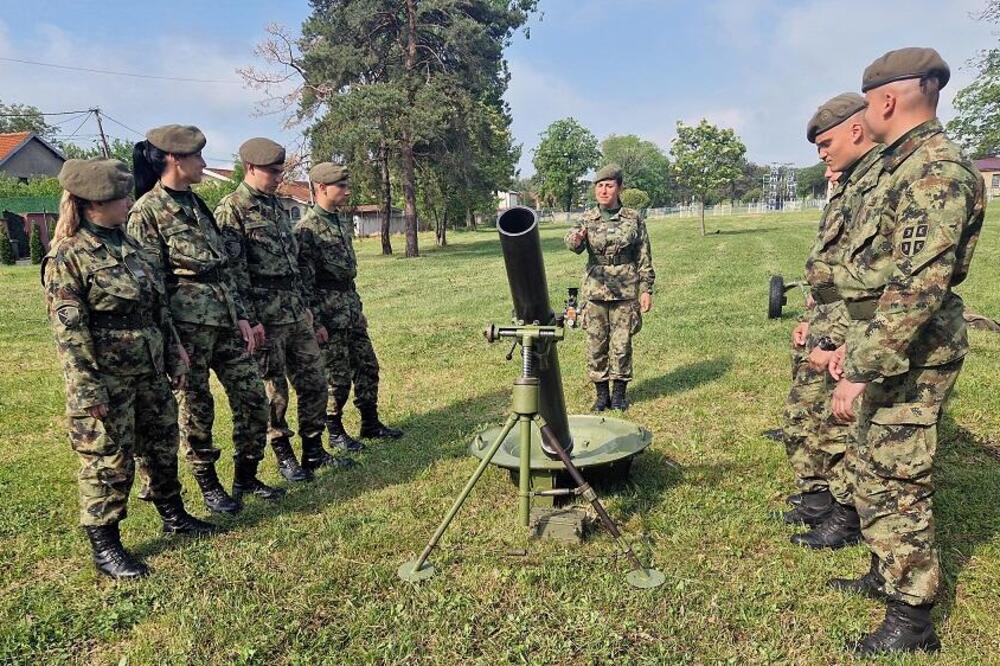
[(618, 66)]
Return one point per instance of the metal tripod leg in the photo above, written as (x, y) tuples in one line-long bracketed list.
[(639, 576), (418, 569)]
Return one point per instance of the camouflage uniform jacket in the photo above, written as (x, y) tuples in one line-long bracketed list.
[(267, 265), (619, 260), (845, 202), (328, 266), (187, 245), (912, 242), (85, 280)]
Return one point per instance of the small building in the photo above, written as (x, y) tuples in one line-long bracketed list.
[(507, 200), (990, 168), (368, 220), (25, 155)]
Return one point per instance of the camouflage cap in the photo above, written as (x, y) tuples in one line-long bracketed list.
[(262, 152), (608, 172), (913, 62), (96, 180), (328, 173), (177, 139), (833, 112)]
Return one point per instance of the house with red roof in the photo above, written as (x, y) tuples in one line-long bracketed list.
[(24, 155)]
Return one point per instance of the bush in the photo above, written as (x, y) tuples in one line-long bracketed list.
[(35, 243), (634, 198), (6, 249)]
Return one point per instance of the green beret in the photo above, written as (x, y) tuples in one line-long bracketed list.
[(328, 173), (96, 180), (834, 112), (262, 152), (910, 63), (609, 172), (177, 139)]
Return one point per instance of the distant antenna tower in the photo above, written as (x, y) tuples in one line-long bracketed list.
[(774, 189), (790, 185)]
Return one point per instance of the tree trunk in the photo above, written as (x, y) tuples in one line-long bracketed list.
[(409, 161), (386, 198), (443, 235), (470, 220), (702, 203)]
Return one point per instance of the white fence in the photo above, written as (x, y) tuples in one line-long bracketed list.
[(694, 210)]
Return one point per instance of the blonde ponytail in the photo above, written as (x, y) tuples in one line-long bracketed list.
[(69, 216)]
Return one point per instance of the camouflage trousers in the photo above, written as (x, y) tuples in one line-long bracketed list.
[(815, 441), (350, 359), (220, 348), (894, 481), (140, 430), (610, 326), (291, 351)]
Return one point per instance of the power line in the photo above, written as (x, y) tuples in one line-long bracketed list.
[(35, 114), (123, 125), (114, 73), (79, 127)]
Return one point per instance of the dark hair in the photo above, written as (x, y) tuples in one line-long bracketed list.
[(148, 163)]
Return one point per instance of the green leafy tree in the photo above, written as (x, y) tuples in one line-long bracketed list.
[(644, 166), (811, 181), (976, 125), (35, 244), (24, 118), (706, 158), (566, 152), (33, 187), (6, 248), (120, 149), (632, 197)]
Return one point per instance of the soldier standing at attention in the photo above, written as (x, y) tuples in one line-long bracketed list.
[(617, 286), (912, 243), (328, 265), (120, 356), (267, 268), (181, 238), (815, 440)]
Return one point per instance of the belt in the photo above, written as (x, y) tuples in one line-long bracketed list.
[(126, 321), (330, 283), (211, 276), (280, 282), (616, 260), (826, 294), (862, 310)]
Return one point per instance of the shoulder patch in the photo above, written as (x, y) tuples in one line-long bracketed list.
[(233, 245), (914, 239), (69, 316)]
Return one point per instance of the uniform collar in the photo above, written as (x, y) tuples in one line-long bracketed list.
[(257, 195), (163, 198), (907, 144), (863, 164), (326, 214)]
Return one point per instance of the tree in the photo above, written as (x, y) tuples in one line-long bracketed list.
[(643, 164), (24, 118), (634, 198), (35, 243), (566, 152), (121, 149), (811, 180), (706, 158), (976, 125), (34, 187), (6, 248)]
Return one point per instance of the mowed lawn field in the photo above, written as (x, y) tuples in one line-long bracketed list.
[(313, 579)]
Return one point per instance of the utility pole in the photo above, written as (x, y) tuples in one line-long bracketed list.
[(100, 128)]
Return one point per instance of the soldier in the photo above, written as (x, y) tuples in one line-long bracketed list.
[(215, 326), (266, 267), (816, 442), (120, 355), (328, 265), (912, 243), (617, 286)]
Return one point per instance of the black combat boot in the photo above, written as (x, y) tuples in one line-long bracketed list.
[(245, 481), (871, 585), (905, 628), (841, 528), (618, 400), (603, 400), (373, 428), (176, 520), (110, 557), (287, 464), (339, 437), (812, 510), (216, 497), (794, 500), (776, 434), (315, 456)]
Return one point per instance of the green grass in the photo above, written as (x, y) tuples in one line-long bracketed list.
[(312, 580)]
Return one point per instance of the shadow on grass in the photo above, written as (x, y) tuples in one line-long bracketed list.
[(684, 378), (489, 245), (430, 437), (965, 503), (734, 232)]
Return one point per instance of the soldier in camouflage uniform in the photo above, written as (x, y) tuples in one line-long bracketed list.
[(817, 442), (182, 239), (267, 268), (617, 286), (911, 244), (328, 265), (119, 354)]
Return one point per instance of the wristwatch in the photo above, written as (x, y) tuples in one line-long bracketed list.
[(826, 343)]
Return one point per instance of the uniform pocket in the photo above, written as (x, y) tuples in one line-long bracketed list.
[(902, 440)]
